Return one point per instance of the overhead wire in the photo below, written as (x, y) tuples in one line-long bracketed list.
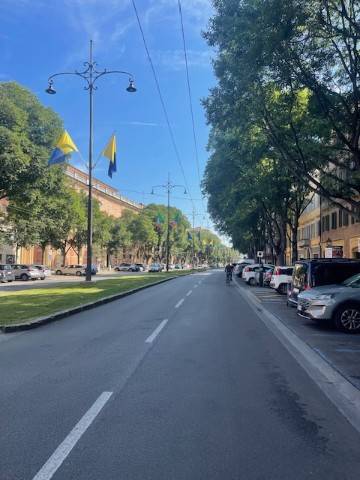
[(157, 83), (189, 92), (191, 108)]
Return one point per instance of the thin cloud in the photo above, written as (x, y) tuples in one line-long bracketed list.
[(174, 59), (142, 124)]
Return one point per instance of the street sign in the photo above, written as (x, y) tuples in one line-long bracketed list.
[(260, 254), (328, 252)]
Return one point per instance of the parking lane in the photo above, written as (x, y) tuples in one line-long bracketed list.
[(339, 349)]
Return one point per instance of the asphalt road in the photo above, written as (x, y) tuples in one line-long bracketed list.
[(180, 381)]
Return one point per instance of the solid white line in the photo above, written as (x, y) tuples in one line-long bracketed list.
[(156, 332), (189, 293), (343, 394), (180, 302), (63, 450)]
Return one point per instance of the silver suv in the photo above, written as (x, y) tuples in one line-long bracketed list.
[(6, 274), (27, 272), (339, 304)]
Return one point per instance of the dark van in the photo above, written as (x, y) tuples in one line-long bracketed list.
[(322, 271)]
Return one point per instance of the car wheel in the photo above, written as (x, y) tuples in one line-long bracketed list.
[(347, 318), (24, 277), (78, 273), (252, 282), (282, 289), (58, 272)]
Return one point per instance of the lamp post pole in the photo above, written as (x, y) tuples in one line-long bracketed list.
[(90, 75), (168, 225), (91, 146), (168, 187)]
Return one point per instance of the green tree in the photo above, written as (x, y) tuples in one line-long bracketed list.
[(28, 131)]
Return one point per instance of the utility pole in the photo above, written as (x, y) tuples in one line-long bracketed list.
[(169, 188)]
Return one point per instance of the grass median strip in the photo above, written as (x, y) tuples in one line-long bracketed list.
[(21, 306)]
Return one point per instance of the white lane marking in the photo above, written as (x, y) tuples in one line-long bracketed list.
[(63, 450), (195, 286), (180, 302), (156, 332), (342, 393), (189, 293)]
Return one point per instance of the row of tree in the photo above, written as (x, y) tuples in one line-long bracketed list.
[(42, 208), (284, 116)]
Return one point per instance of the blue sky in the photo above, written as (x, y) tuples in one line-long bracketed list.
[(39, 38)]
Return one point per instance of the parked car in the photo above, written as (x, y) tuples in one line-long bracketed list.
[(123, 267), (249, 272), (26, 272), (43, 268), (77, 270), (155, 267), (267, 272), (6, 274), (308, 274), (281, 278), (240, 267), (178, 266), (141, 267), (339, 304)]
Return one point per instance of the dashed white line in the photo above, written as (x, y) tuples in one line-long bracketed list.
[(189, 293), (180, 302), (195, 286), (156, 332), (63, 450)]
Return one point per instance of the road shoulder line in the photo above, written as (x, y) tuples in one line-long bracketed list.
[(342, 393)]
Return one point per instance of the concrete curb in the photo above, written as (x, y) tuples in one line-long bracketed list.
[(333, 383), (37, 322)]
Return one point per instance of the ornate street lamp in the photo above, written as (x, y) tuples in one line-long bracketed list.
[(90, 75)]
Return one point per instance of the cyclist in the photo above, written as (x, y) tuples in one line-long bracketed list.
[(229, 271)]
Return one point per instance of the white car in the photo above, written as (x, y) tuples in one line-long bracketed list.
[(155, 267), (249, 272), (281, 278), (77, 270), (43, 268)]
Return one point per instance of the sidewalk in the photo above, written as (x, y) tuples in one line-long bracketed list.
[(340, 350)]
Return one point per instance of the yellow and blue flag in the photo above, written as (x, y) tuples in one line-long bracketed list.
[(110, 153), (63, 149)]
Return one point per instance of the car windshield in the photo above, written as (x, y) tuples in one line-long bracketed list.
[(353, 281), (5, 267)]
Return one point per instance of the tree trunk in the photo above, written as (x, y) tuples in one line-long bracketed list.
[(294, 245)]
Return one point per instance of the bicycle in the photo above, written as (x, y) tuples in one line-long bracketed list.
[(228, 278)]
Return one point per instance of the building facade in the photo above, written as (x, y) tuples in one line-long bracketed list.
[(340, 232), (309, 234), (111, 202)]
